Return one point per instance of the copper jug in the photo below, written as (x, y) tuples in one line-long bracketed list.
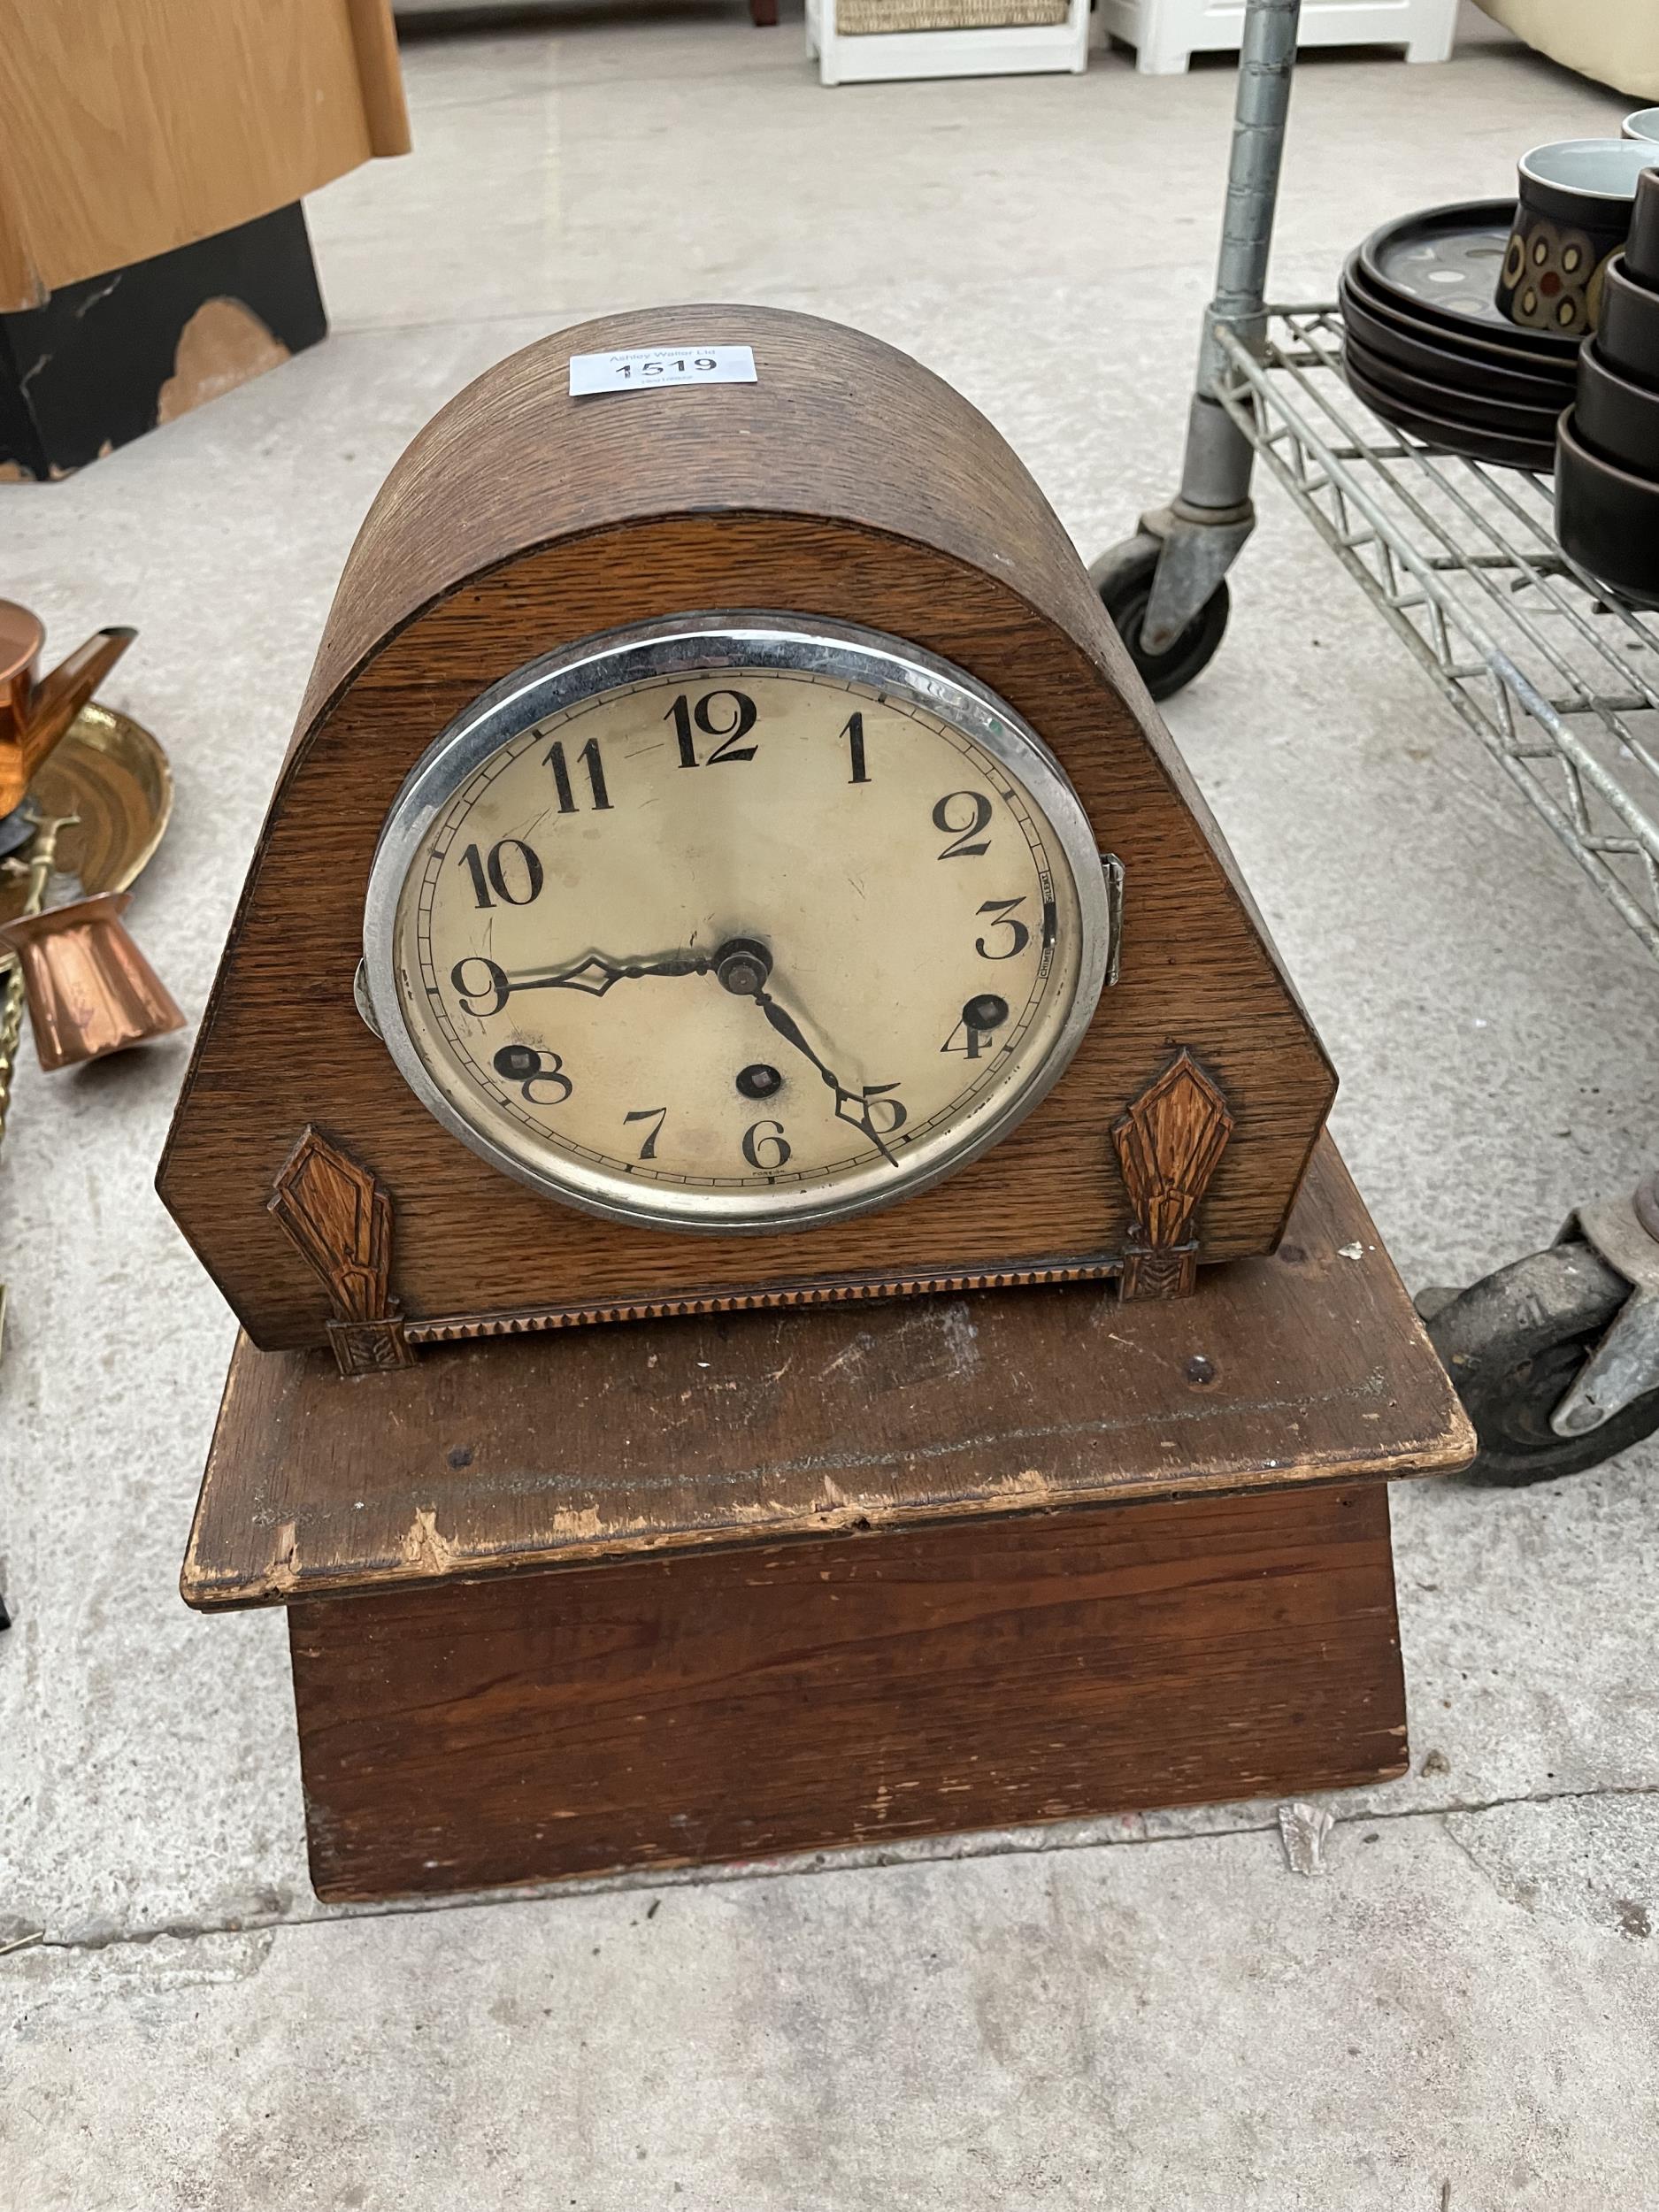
[(35, 710), (91, 990)]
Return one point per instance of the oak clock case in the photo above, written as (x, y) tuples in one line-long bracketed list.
[(734, 922), (751, 541)]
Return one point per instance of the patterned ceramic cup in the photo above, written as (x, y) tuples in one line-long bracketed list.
[(1572, 215)]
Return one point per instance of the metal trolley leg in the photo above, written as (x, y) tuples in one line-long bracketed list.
[(1165, 587), (1556, 1356)]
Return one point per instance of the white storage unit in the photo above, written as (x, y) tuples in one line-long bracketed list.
[(1166, 33), (1054, 35)]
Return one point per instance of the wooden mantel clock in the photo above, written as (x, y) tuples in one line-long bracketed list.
[(725, 859), (727, 872)]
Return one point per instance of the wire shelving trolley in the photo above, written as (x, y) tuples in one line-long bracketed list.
[(1556, 1356)]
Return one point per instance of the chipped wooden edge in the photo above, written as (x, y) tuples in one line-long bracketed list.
[(425, 1556), (191, 1578)]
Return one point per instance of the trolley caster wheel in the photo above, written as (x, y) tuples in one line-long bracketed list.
[(1512, 1344), (1123, 578)]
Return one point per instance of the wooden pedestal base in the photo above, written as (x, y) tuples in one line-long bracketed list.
[(716, 1589), (736, 1705)]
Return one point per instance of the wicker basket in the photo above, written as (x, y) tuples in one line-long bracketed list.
[(859, 19)]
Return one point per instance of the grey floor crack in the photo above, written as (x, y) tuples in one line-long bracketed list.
[(923, 1851)]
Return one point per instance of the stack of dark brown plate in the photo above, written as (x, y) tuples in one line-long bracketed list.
[(1428, 350), (1607, 470)]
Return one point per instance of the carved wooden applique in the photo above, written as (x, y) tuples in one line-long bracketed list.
[(341, 1221), (1169, 1143)]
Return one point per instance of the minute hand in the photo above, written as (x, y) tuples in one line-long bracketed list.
[(789, 1029)]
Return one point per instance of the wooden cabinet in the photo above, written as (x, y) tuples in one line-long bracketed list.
[(133, 127), (1166, 33)]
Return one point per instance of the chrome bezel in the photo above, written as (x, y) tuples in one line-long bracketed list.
[(839, 651)]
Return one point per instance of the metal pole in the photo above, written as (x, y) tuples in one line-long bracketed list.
[(1210, 516), (1267, 57)]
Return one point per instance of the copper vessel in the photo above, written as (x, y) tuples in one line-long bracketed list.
[(90, 989), (111, 774), (34, 710)]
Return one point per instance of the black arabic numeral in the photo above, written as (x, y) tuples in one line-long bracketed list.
[(492, 875), (961, 832), (526, 1067), (551, 1070), (561, 777), (655, 1116), (1003, 908), (480, 888), (680, 715), (973, 1044), (731, 728), (589, 758), (855, 735), (495, 984), (744, 717), (878, 1095), (753, 1139)]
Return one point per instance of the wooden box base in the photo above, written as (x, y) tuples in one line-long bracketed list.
[(726, 1587), (982, 1674)]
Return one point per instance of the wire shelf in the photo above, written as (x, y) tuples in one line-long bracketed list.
[(1561, 686)]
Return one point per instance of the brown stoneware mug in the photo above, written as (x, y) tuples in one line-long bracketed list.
[(1629, 324), (1572, 215), (90, 989), (1641, 248), (1616, 417), (1607, 518)]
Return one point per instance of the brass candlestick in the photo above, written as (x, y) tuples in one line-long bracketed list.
[(43, 849)]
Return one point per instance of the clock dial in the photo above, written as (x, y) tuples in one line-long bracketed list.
[(732, 929)]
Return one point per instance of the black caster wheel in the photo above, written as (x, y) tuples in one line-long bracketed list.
[(1512, 1344), (1123, 577)]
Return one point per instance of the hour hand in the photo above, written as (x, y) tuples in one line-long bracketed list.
[(596, 972)]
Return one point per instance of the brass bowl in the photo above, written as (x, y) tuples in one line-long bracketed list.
[(111, 772)]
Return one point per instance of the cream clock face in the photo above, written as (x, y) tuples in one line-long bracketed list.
[(734, 922)]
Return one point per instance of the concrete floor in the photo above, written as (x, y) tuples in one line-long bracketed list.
[(1148, 2012)]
